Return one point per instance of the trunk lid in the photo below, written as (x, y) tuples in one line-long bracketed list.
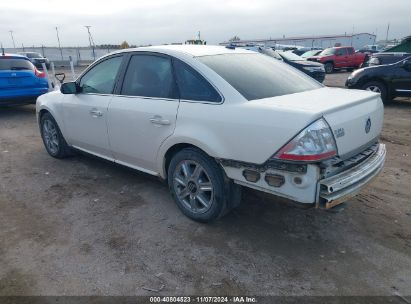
[(355, 116), (17, 79)]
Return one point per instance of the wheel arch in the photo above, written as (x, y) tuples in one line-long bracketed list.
[(167, 152), (43, 109), (374, 78)]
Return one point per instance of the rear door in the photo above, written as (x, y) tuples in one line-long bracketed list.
[(353, 60), (341, 58), (143, 113), (85, 113), (401, 81)]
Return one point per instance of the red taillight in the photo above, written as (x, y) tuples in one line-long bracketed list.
[(314, 143), (39, 74)]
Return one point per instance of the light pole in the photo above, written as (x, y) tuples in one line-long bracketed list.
[(12, 38), (90, 39), (58, 39), (388, 30)]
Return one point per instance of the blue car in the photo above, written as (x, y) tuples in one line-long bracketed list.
[(20, 81)]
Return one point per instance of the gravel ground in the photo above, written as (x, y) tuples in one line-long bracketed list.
[(83, 226)]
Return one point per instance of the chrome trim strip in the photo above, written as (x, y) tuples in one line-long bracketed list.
[(354, 175), (145, 97), (402, 90)]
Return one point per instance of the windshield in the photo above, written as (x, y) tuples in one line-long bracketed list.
[(310, 53), (15, 64), (328, 52), (291, 56), (33, 55), (271, 53), (256, 76)]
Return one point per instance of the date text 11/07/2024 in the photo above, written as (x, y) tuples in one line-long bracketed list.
[(204, 299)]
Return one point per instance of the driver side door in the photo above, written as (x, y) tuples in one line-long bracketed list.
[(85, 113)]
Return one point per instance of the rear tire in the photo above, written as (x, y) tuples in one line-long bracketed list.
[(199, 186), (329, 67), (377, 87), (53, 140)]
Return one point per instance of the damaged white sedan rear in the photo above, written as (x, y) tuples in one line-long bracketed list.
[(211, 119)]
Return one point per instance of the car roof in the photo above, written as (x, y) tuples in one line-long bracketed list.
[(13, 56), (341, 47), (192, 50)]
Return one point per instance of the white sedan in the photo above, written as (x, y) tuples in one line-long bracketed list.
[(211, 119)]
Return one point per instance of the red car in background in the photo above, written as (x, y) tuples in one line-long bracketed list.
[(342, 57)]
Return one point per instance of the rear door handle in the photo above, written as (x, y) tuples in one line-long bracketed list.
[(158, 120), (95, 113)]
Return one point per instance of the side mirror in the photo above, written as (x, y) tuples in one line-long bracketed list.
[(69, 88)]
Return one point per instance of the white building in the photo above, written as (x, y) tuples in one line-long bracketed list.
[(355, 40)]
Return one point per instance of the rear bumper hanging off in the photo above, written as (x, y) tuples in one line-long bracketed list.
[(339, 188)]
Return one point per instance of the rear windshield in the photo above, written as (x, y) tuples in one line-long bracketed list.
[(258, 76), (15, 64), (34, 55)]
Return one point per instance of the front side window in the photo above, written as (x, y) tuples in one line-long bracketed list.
[(149, 76), (34, 55), (192, 86), (257, 76), (101, 78)]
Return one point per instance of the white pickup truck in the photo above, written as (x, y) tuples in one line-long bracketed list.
[(210, 119)]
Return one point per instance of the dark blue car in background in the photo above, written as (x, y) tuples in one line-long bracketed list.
[(20, 81)]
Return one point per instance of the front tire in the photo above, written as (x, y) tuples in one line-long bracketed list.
[(199, 186), (53, 140), (329, 67), (377, 87)]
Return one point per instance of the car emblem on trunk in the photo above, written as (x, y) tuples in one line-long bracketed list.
[(368, 125), (13, 74)]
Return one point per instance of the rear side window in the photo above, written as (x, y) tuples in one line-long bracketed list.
[(101, 78), (192, 86), (257, 76), (15, 64), (149, 76)]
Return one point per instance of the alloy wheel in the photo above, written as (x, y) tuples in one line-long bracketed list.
[(50, 136), (193, 186), (374, 88)]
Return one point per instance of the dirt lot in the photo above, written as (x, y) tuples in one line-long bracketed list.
[(83, 226)]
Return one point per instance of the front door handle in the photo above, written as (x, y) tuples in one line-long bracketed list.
[(95, 113), (158, 120)]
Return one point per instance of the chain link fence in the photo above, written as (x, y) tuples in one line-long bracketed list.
[(62, 57)]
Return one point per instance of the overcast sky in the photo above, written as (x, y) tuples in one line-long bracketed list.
[(166, 21)]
